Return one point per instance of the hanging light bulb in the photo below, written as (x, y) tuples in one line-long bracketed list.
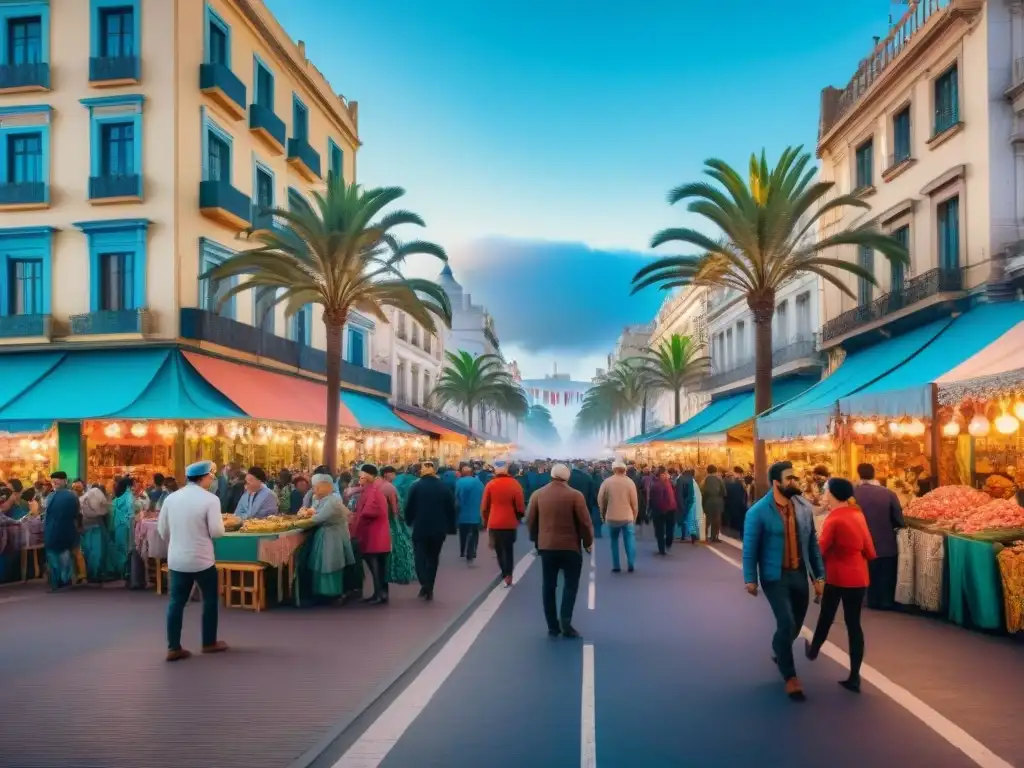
[(210, 430), (915, 428), (979, 426), (951, 429), (895, 428), (1018, 409), (112, 430), (1007, 424), (139, 430)]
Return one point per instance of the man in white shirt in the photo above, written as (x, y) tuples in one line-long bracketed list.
[(189, 521)]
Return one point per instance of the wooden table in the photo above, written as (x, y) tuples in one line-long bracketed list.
[(38, 560)]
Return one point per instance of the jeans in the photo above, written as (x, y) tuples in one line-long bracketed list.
[(428, 554), (181, 590), (570, 563), (882, 592), (469, 537), (504, 543), (628, 533), (664, 529), (788, 598), (377, 565), (852, 599)]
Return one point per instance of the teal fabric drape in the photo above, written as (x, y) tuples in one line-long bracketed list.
[(975, 588)]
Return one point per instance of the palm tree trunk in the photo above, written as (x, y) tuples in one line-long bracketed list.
[(330, 457), (643, 415), (469, 416), (763, 309), (677, 394)]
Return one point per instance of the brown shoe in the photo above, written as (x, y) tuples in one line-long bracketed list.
[(219, 647), (794, 690), (178, 655)]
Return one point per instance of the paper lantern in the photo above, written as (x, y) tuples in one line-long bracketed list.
[(1007, 424), (1018, 409), (952, 429), (979, 426), (915, 428), (112, 430), (895, 428), (139, 430)]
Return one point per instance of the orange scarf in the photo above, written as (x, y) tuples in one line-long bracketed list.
[(791, 550)]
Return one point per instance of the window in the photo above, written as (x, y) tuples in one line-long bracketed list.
[(25, 40), (116, 281), (264, 85), (210, 292), (117, 153), (337, 162), (218, 40), (218, 158), (263, 309), (117, 32), (949, 234), (864, 161), (901, 136), (25, 278), (300, 120), (301, 326), (897, 271), (782, 323), (803, 316), (947, 100), (263, 189), (741, 340), (25, 158), (866, 259), (355, 347)]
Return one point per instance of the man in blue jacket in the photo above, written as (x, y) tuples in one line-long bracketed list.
[(780, 547), (469, 495)]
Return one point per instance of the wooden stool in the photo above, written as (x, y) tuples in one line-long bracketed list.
[(251, 597), (163, 576), (38, 560), (155, 570)]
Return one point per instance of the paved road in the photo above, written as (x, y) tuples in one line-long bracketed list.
[(83, 683), (682, 675)]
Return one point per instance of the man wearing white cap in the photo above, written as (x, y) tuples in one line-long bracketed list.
[(559, 521), (617, 500), (189, 521)]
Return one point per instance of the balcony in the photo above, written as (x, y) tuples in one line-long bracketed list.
[(23, 196), (108, 190), (801, 348), (201, 325), (928, 289), (24, 78), (221, 202), (223, 87), (116, 322), (304, 159), (32, 327), (491, 337), (111, 71), (268, 127)]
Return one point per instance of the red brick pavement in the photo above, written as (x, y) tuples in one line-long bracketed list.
[(83, 683)]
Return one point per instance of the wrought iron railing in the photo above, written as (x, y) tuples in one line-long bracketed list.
[(34, 75), (214, 76), (107, 68), (915, 289), (110, 322), (24, 326), (800, 348), (106, 187)]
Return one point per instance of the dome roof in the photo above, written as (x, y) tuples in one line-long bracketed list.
[(447, 279)]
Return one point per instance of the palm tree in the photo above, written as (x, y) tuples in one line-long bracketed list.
[(616, 397), (470, 382), (677, 363), (339, 252), (539, 423), (764, 222)]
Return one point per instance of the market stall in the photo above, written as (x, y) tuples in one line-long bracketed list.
[(28, 450)]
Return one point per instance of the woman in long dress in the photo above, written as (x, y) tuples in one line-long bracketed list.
[(401, 564), (95, 542), (330, 550), (121, 524)]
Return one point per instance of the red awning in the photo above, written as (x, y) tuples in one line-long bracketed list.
[(269, 396), (433, 428)]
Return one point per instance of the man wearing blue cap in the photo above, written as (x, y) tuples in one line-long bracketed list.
[(189, 521)]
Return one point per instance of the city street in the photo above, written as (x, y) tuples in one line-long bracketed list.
[(681, 669)]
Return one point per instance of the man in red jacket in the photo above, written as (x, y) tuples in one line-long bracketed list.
[(502, 508), (373, 533)]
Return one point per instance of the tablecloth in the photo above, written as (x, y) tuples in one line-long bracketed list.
[(920, 568), (975, 588), (274, 549), (147, 540), (1011, 567)]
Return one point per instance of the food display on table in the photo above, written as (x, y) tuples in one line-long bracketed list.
[(999, 487), (997, 515), (272, 524), (946, 503), (232, 523), (965, 510)]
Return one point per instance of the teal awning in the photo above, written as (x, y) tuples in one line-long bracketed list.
[(809, 414), (714, 410), (22, 370), (142, 383), (374, 413), (906, 390), (783, 390), (647, 437), (24, 427)]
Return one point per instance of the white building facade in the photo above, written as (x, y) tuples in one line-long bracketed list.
[(683, 312), (413, 356)]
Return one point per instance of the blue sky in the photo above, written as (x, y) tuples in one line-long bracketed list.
[(559, 130)]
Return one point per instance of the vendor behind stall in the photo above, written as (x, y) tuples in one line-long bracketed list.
[(257, 499)]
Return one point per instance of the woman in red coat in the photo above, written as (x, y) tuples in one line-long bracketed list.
[(846, 546), (373, 533)]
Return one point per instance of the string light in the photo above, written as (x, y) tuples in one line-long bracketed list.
[(1018, 409), (915, 428), (951, 429), (139, 430), (979, 426), (1007, 424), (112, 430)]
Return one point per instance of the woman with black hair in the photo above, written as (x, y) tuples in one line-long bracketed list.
[(846, 546)]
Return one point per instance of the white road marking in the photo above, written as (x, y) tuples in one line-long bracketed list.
[(588, 717), (947, 729), (591, 594), (378, 740)]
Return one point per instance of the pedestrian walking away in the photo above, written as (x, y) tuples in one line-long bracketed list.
[(189, 521), (373, 533), (847, 549), (663, 509), (617, 500), (780, 548), (713, 495), (559, 524), (502, 508), (60, 532), (884, 516), (469, 495), (431, 513)]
